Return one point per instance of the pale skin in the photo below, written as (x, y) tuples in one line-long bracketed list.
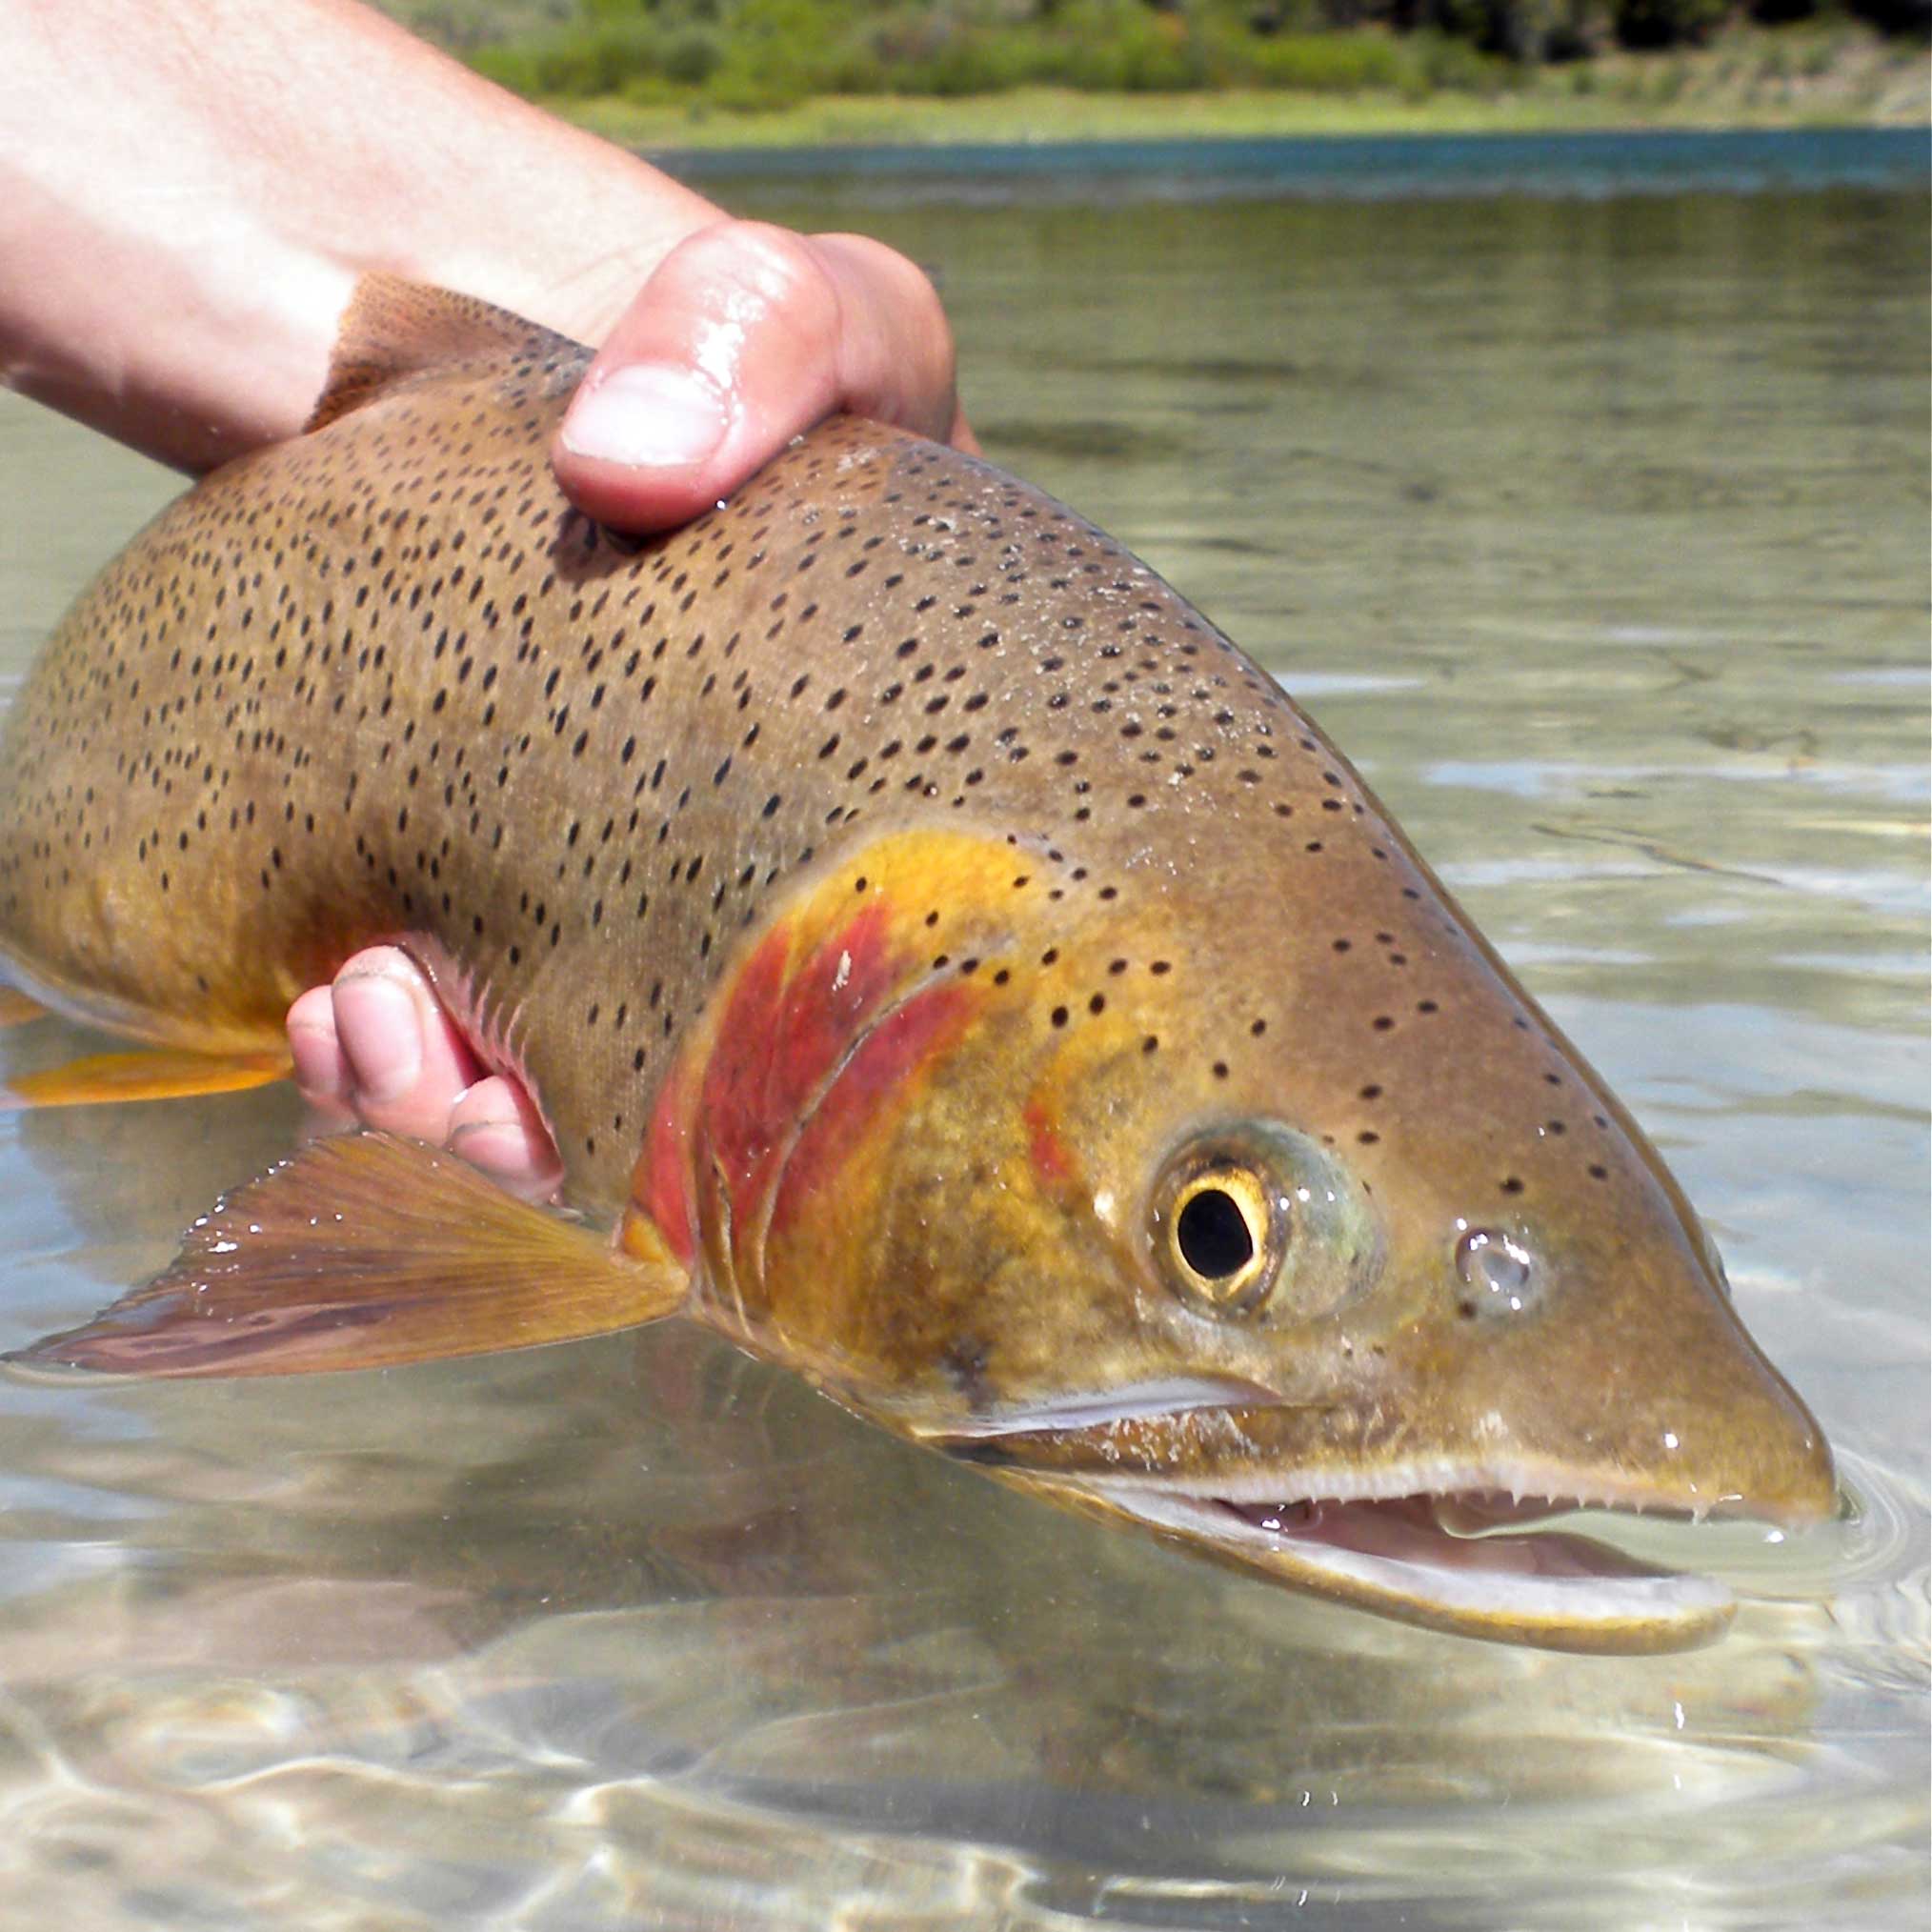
[(187, 198)]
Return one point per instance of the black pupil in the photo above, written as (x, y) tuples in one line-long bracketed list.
[(1214, 1235)]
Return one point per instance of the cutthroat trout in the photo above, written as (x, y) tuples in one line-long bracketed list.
[(948, 966)]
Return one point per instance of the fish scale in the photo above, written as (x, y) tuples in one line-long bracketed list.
[(946, 964)]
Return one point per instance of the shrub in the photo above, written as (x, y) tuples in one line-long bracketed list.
[(592, 57), (1447, 62), (1666, 23), (691, 59), (1912, 17), (1527, 31), (1325, 63)]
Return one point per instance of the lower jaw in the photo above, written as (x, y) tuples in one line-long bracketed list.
[(1406, 1558)]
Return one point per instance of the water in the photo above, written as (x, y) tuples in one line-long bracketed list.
[(1595, 529), (1376, 167)]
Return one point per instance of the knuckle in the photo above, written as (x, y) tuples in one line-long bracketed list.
[(900, 279), (906, 367), (775, 268)]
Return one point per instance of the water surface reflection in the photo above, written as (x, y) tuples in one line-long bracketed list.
[(1595, 532)]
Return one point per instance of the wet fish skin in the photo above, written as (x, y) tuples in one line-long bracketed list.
[(898, 899)]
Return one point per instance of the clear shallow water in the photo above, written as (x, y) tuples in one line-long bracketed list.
[(1596, 532)]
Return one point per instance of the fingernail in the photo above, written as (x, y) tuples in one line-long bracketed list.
[(381, 1033), (651, 416)]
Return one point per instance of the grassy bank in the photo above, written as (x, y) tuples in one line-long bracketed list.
[(1741, 86), (676, 74)]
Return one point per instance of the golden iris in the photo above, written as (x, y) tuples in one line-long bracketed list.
[(1222, 1231)]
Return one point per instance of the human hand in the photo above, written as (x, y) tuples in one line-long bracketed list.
[(744, 335)]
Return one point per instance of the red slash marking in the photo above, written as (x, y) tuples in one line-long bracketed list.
[(878, 1074)]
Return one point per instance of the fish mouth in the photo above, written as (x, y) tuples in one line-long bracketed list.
[(1469, 1560), (1462, 1547), (1463, 1544)]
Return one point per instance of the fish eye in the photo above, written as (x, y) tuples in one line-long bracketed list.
[(1212, 1234), (1254, 1218), (1223, 1235)]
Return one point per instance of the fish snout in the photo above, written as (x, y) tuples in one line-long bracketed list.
[(1608, 1363)]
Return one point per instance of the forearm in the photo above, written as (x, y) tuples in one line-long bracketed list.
[(189, 193)]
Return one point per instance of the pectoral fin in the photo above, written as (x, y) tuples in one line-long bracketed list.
[(161, 1075), (365, 1250)]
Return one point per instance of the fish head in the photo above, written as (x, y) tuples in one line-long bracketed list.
[(1405, 1282), (1300, 1237)]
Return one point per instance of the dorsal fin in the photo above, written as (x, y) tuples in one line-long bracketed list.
[(393, 330)]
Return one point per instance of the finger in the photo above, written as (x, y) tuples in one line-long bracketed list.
[(407, 1069), (962, 436), (407, 1062), (744, 336), (496, 1126), (322, 1073)]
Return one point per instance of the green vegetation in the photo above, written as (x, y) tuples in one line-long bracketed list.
[(670, 69)]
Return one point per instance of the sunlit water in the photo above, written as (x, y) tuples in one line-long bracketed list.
[(1595, 533)]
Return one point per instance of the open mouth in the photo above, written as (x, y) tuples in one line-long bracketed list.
[(1463, 1561), (1466, 1546)]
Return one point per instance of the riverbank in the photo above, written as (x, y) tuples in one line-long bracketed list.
[(1832, 75)]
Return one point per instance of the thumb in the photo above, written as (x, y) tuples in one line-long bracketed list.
[(745, 335)]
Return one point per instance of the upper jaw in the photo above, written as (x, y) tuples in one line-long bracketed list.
[(1238, 1442), (1494, 1488)]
